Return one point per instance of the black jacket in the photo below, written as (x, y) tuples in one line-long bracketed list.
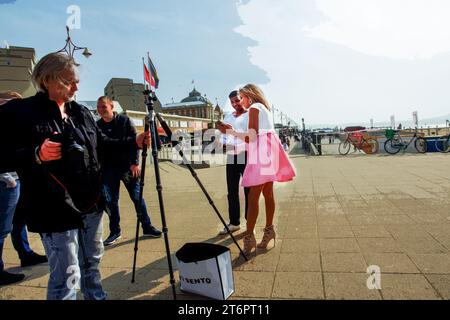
[(43, 203), (120, 127)]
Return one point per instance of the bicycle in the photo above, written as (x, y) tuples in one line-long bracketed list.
[(359, 141), (443, 144), (395, 142)]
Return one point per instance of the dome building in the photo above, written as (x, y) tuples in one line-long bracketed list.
[(197, 106)]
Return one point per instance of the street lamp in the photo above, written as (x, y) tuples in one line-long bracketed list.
[(70, 47)]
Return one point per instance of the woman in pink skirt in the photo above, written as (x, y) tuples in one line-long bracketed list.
[(267, 163)]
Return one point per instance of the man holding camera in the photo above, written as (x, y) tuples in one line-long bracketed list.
[(122, 166), (56, 148)]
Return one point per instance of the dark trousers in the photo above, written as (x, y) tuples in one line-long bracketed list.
[(111, 187), (235, 170), (19, 239)]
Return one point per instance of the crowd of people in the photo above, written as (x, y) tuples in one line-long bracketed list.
[(61, 170)]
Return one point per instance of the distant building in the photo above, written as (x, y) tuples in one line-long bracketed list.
[(196, 106), (128, 94), (16, 67)]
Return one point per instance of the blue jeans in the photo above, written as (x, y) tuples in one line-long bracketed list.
[(68, 270), (8, 201), (111, 188)]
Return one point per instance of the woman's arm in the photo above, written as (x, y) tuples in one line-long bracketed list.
[(253, 127)]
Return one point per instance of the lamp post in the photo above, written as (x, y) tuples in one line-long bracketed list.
[(70, 47)]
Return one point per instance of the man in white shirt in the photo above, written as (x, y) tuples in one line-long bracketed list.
[(236, 162)]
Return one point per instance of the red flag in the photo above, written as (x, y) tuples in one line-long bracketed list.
[(147, 75)]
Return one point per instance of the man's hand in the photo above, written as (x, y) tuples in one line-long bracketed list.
[(143, 138), (223, 127), (50, 151), (135, 171)]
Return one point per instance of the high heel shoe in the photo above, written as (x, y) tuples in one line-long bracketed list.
[(249, 244), (269, 234)]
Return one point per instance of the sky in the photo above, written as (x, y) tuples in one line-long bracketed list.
[(326, 61)]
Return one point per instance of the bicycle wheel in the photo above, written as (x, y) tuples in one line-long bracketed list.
[(421, 145), (392, 146), (344, 147), (442, 144), (371, 146)]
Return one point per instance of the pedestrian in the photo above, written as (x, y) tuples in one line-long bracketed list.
[(267, 163), (236, 163), (10, 223), (121, 165)]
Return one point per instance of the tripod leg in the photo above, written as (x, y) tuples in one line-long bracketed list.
[(161, 202), (141, 196), (211, 202)]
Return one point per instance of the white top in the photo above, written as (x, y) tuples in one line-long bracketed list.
[(239, 124), (265, 117)]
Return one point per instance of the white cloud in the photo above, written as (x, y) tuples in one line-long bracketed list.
[(334, 61), (403, 29)]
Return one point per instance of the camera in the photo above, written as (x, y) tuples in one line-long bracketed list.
[(72, 149)]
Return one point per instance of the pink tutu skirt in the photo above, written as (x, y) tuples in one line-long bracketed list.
[(267, 162)]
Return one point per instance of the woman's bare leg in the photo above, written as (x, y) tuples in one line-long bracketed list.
[(270, 203), (253, 208)]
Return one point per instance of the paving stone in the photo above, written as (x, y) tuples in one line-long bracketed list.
[(302, 262), (375, 231), (391, 262), (379, 245), (421, 245), (331, 231), (432, 263), (441, 283), (348, 286), (407, 287), (343, 262), (298, 285), (254, 284), (339, 245), (300, 245)]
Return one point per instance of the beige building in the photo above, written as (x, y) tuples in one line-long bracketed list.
[(195, 106), (175, 123), (16, 66), (128, 94)]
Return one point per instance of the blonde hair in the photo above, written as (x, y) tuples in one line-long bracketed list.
[(51, 67), (255, 93)]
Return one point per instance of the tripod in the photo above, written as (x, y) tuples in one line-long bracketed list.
[(150, 123)]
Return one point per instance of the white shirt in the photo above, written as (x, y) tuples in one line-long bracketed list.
[(240, 124)]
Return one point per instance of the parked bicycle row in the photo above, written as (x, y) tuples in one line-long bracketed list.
[(394, 142)]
